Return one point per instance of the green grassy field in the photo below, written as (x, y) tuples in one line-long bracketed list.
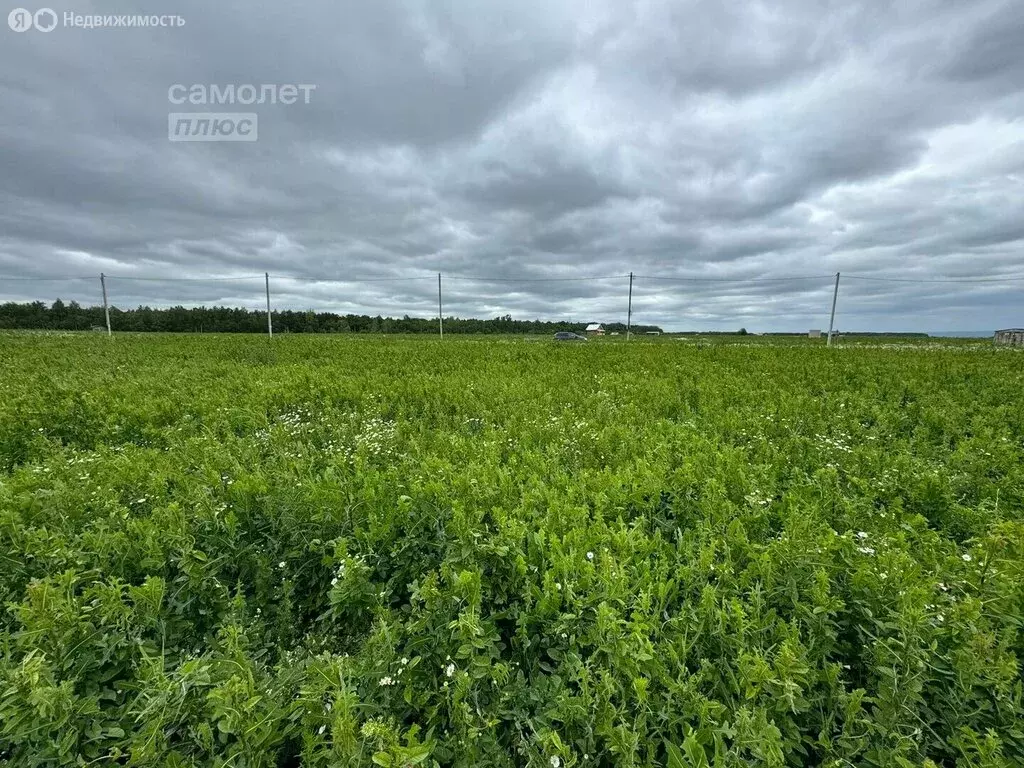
[(324, 551)]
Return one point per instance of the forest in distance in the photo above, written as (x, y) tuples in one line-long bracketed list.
[(74, 317)]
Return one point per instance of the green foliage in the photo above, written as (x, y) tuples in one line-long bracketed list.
[(226, 551), (58, 317)]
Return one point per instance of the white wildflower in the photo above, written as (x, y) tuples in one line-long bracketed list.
[(449, 670), (861, 535), (281, 564), (590, 555), (556, 761), (966, 558)]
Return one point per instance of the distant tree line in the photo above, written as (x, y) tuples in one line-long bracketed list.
[(896, 334), (74, 317), (803, 334)]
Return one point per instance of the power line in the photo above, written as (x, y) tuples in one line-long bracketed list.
[(474, 278), (929, 280), (537, 279), (354, 279), (184, 279), (732, 279), (54, 279)]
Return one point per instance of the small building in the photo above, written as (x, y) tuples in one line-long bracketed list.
[(595, 329), (1010, 337), (654, 333), (814, 334)]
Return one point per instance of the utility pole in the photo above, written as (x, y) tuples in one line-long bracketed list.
[(440, 310), (832, 320), (629, 311), (106, 308), (270, 323)]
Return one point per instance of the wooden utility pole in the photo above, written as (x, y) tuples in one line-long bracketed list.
[(270, 322), (106, 308), (832, 320), (629, 310)]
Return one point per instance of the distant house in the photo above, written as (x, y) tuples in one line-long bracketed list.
[(1010, 337), (654, 333), (814, 334), (595, 329)]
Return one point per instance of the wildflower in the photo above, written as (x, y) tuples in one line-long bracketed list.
[(387, 680), (321, 730), (558, 586), (404, 661), (866, 550), (281, 564), (334, 582), (555, 761), (861, 535), (449, 670), (966, 558), (590, 555)]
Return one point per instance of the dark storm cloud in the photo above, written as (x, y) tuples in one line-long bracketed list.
[(528, 144)]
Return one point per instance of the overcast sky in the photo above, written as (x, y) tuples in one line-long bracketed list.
[(528, 141)]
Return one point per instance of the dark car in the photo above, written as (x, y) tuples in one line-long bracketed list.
[(567, 336)]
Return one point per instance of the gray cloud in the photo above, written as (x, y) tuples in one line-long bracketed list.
[(526, 143)]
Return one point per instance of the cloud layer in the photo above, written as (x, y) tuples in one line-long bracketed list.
[(528, 143)]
